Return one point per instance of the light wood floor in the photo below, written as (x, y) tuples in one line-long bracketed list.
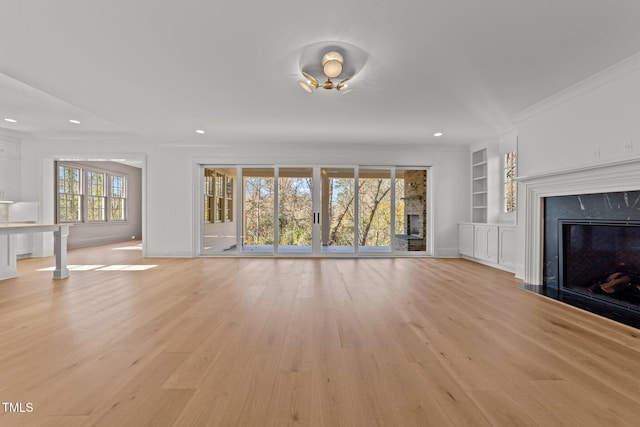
[(219, 341)]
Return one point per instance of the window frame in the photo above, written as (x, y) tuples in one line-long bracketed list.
[(228, 197), (89, 195), (122, 198), (218, 196), (79, 195), (509, 182), (208, 197), (84, 170)]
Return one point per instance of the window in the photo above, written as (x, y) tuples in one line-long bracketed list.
[(208, 196), (229, 195), (69, 194), (90, 195), (117, 199), (219, 197), (509, 178), (95, 196)]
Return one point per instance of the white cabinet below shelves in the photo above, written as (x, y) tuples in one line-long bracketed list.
[(485, 242), (508, 246), (492, 244), (466, 239)]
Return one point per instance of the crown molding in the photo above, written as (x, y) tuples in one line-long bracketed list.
[(608, 75)]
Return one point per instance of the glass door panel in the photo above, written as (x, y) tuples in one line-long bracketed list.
[(337, 209), (374, 210), (411, 211), (258, 209), (295, 209), (219, 218)]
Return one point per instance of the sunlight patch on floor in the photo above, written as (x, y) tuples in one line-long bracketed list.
[(139, 267), (129, 248)]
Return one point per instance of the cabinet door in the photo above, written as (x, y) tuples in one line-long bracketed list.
[(8, 179), (508, 246), (486, 243), (480, 243), (492, 244), (465, 239)]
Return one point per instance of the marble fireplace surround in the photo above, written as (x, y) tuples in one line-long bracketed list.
[(601, 178)]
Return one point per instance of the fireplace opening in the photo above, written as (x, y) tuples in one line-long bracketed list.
[(413, 225), (601, 259)]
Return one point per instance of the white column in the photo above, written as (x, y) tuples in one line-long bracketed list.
[(60, 245)]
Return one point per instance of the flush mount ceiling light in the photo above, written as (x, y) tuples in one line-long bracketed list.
[(332, 66)]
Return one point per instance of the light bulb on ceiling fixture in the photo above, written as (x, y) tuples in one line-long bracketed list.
[(332, 67), (332, 64), (305, 86), (200, 131), (438, 134)]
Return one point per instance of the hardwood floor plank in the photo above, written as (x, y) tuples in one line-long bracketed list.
[(321, 342), (290, 400)]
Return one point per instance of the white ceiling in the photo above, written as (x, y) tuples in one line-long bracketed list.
[(159, 69)]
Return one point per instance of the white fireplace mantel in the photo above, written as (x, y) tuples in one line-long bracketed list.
[(600, 178)]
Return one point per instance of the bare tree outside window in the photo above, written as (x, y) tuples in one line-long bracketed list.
[(69, 194), (95, 196), (510, 185), (117, 199)]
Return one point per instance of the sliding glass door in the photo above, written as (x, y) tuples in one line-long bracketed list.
[(295, 210), (219, 231), (411, 213), (374, 210), (314, 210), (338, 208), (258, 210)]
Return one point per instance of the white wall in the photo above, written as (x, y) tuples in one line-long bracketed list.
[(590, 124), (170, 180), (9, 167), (589, 128)]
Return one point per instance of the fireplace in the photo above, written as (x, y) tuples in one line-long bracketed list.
[(589, 240), (600, 259), (413, 225), (607, 192)]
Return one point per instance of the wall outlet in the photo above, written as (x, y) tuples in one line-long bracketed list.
[(595, 154), (133, 237), (628, 147)]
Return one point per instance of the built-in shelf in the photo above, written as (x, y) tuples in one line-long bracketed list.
[(479, 185)]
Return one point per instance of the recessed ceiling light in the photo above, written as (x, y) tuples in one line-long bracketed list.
[(200, 131), (75, 122), (10, 120), (438, 134)]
